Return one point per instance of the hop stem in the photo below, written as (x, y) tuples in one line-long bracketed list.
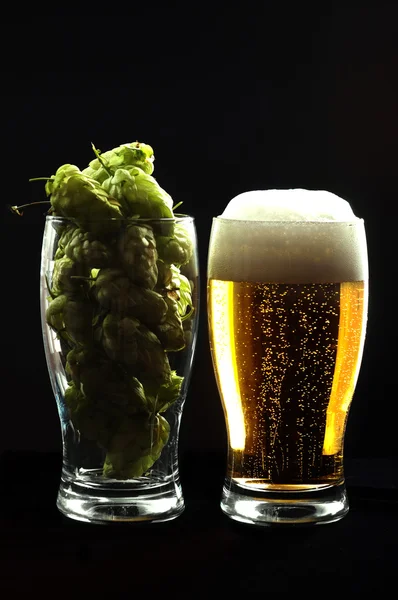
[(17, 209), (41, 178), (98, 155)]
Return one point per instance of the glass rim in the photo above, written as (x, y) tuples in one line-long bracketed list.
[(178, 217), (355, 221)]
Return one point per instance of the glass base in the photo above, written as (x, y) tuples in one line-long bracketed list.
[(128, 503), (278, 507)]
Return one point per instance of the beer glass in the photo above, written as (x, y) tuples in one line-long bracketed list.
[(119, 324), (287, 310)]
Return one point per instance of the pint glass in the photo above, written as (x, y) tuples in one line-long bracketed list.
[(287, 310)]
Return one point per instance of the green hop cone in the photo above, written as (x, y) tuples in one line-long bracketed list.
[(176, 249), (119, 303), (129, 342), (121, 397), (54, 313), (59, 253), (82, 247), (140, 194), (99, 174), (162, 397), (136, 446), (184, 296), (71, 318), (86, 417), (75, 195), (116, 186), (63, 173), (175, 285), (115, 392), (115, 291), (165, 277), (78, 359), (135, 154), (68, 276), (170, 332), (101, 395), (138, 255), (65, 234)]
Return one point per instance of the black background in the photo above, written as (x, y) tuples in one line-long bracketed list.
[(231, 98)]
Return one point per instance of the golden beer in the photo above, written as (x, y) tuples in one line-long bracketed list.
[(286, 360), (287, 308)]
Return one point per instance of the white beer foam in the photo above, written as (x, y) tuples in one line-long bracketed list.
[(288, 205), (288, 236)]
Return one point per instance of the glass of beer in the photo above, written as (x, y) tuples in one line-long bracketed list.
[(287, 311)]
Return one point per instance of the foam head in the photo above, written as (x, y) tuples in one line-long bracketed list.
[(288, 205), (290, 236)]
